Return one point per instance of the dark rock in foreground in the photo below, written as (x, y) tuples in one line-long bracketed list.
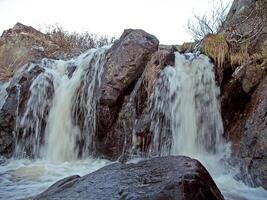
[(172, 177)]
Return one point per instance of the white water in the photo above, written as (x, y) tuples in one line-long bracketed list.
[(185, 113), (61, 133), (3, 93), (51, 113), (187, 121), (24, 178), (49, 128)]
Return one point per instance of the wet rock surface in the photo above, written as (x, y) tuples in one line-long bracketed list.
[(172, 177), (253, 144), (18, 94), (126, 61), (243, 88), (133, 114), (18, 46)]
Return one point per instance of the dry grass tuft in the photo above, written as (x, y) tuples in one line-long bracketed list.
[(216, 47), (239, 58), (242, 57)]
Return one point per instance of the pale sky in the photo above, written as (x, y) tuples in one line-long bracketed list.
[(166, 19)]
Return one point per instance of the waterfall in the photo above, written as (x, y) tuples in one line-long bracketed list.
[(62, 134), (186, 120), (50, 126), (58, 122), (185, 110)]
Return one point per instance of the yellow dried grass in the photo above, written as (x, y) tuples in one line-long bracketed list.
[(216, 47)]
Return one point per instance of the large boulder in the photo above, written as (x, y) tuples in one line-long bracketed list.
[(134, 111), (246, 24), (172, 177), (126, 61)]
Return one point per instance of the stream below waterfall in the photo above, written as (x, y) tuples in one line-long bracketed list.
[(192, 108)]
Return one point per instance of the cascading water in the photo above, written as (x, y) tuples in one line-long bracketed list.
[(186, 120), (62, 134), (185, 109), (57, 125), (47, 124), (3, 93)]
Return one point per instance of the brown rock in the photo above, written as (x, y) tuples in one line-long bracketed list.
[(243, 87), (23, 44), (172, 177), (253, 143), (126, 61), (117, 140)]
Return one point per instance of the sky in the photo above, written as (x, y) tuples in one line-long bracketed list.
[(166, 19)]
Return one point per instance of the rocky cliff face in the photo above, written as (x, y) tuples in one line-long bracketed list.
[(241, 74)]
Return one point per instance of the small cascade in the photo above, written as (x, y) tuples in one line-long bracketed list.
[(61, 132), (3, 93), (31, 124), (185, 112), (51, 126)]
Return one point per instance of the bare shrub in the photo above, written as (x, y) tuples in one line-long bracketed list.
[(245, 32), (74, 40), (200, 25)]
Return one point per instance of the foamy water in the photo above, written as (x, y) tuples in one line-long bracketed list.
[(186, 120), (24, 178)]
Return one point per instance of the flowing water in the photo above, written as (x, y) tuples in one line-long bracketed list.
[(20, 178), (186, 120), (185, 117), (3, 93), (52, 113)]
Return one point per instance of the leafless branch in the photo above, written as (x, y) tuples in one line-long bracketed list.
[(201, 25)]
